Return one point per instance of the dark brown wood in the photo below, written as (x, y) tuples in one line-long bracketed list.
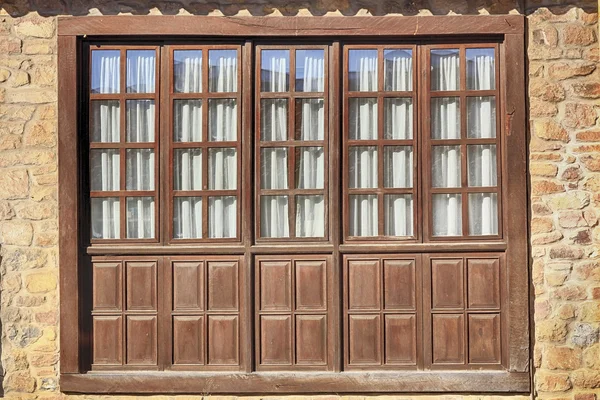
[(301, 383), (292, 26)]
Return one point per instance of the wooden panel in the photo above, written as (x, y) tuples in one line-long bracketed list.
[(275, 286), (311, 279), (484, 338), (222, 286), (483, 283), (188, 340), (399, 284), (447, 283), (108, 340), (276, 339), (108, 286), (400, 339), (311, 339), (448, 339), (141, 286), (141, 340), (188, 286), (364, 336), (363, 285), (223, 340)]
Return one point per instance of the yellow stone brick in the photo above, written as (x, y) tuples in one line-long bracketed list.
[(18, 233), (41, 282)]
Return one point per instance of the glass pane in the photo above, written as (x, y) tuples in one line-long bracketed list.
[(481, 117), (445, 166), (362, 70), (310, 216), (140, 218), (275, 71), (310, 124), (222, 120), (483, 214), (398, 70), (222, 169), (398, 214), (106, 75), (447, 214), (274, 217), (187, 217), (445, 69), (274, 168), (398, 166), (310, 70), (362, 164), (273, 119), (310, 168), (187, 71), (482, 165), (362, 119), (141, 71), (140, 120), (187, 169), (222, 217), (445, 118), (363, 215), (105, 218), (140, 169), (222, 74), (187, 121), (481, 70), (398, 116), (104, 169), (105, 121)]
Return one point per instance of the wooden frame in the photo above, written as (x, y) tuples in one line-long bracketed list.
[(75, 338)]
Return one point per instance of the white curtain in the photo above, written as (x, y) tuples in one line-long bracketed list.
[(398, 119), (187, 121), (106, 121), (398, 70), (447, 214), (105, 169), (187, 218), (140, 217), (483, 214), (445, 70), (223, 76), (313, 74), (222, 213), (106, 65), (363, 215), (222, 120), (140, 121), (399, 215), (141, 71), (188, 71), (105, 218), (273, 117)]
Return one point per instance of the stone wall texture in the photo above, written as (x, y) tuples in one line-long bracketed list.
[(564, 112)]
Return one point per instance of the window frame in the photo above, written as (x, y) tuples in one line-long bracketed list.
[(73, 278)]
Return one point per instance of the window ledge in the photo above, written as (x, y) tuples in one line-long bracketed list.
[(271, 382)]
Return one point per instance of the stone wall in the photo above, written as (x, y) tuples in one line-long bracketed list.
[(564, 102)]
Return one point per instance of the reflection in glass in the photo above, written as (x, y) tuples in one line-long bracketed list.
[(187, 71), (140, 169), (222, 217), (311, 124), (222, 74), (398, 75), (310, 168), (141, 71), (398, 215), (104, 169), (222, 169), (140, 218), (106, 76), (275, 71), (310, 216), (483, 214), (445, 118), (187, 169), (222, 120), (445, 69), (187, 120), (481, 70), (398, 117), (273, 119), (482, 165), (445, 166), (363, 215), (481, 117), (362, 70), (447, 214), (362, 119), (362, 165), (274, 168), (105, 217), (140, 121), (274, 217), (398, 166), (187, 217), (310, 70), (105, 122)]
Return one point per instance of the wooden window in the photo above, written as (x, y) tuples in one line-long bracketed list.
[(323, 210)]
